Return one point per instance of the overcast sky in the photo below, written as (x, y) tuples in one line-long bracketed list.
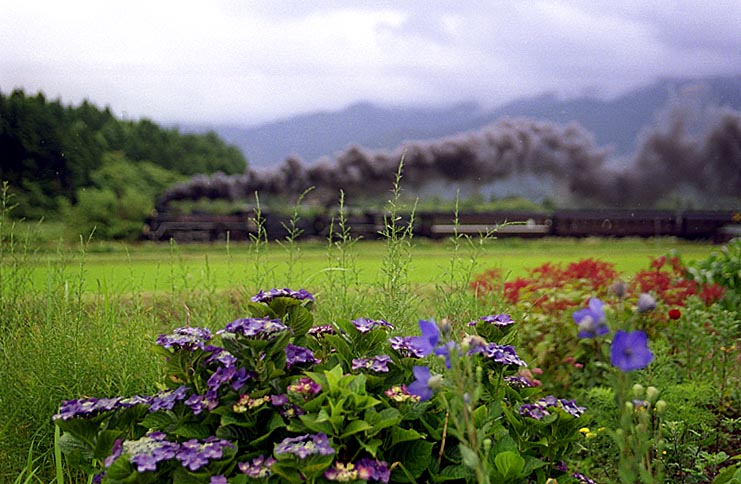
[(253, 61)]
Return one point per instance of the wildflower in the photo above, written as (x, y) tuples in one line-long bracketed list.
[(501, 320), (429, 339), (425, 383), (257, 328), (305, 445), (365, 325), (646, 303), (258, 468), (298, 355), (194, 454), (591, 320), (406, 347), (266, 297), (629, 351), (377, 364), (145, 452), (185, 338), (399, 393), (675, 314)]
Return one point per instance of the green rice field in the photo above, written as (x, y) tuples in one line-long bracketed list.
[(119, 268)]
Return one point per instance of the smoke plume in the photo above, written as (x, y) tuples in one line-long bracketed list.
[(669, 155)]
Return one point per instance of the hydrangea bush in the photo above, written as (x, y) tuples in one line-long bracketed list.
[(272, 397)]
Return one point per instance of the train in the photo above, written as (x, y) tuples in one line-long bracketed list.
[(718, 225)]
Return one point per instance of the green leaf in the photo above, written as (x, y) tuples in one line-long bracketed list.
[(414, 456), (452, 473), (510, 464), (192, 431), (299, 319), (164, 421), (470, 458), (354, 427), (399, 435)]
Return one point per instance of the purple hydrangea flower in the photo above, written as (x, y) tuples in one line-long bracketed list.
[(266, 297), (220, 356), (629, 351), (582, 478), (518, 381), (376, 364), (321, 331), (591, 320), (501, 320), (400, 393), (145, 452), (502, 354), (365, 325), (256, 328), (185, 338), (298, 355), (259, 468), (199, 403), (166, 399), (220, 479), (404, 345), (86, 407), (539, 409), (373, 470), (194, 454), (305, 445), (425, 383), (285, 407), (341, 472), (304, 387)]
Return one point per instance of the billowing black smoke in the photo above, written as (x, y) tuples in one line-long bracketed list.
[(668, 156)]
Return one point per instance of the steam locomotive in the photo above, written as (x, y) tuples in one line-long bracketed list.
[(717, 226)]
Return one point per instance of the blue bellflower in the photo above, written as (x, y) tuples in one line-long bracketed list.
[(425, 384), (629, 351), (591, 320)]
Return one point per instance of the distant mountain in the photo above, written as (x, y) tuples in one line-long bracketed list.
[(616, 122)]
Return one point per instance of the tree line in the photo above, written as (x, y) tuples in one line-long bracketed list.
[(83, 164)]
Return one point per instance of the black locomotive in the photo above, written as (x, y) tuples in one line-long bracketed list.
[(718, 226)]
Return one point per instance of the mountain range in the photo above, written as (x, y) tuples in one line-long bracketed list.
[(616, 123)]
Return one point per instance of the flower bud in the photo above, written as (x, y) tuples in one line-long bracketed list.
[(660, 407), (652, 393), (435, 382), (646, 303), (619, 288), (638, 390), (487, 445), (629, 407)]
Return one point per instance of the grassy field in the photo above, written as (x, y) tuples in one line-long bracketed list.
[(121, 268), (80, 319)]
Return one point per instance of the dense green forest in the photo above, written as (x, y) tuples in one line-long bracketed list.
[(83, 165)]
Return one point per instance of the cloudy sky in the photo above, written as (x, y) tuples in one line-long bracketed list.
[(253, 61)]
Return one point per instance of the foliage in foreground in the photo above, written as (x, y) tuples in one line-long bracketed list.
[(281, 400)]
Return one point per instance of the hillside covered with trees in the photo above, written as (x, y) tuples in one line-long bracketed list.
[(84, 165)]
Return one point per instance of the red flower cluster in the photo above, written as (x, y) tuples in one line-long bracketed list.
[(587, 276)]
